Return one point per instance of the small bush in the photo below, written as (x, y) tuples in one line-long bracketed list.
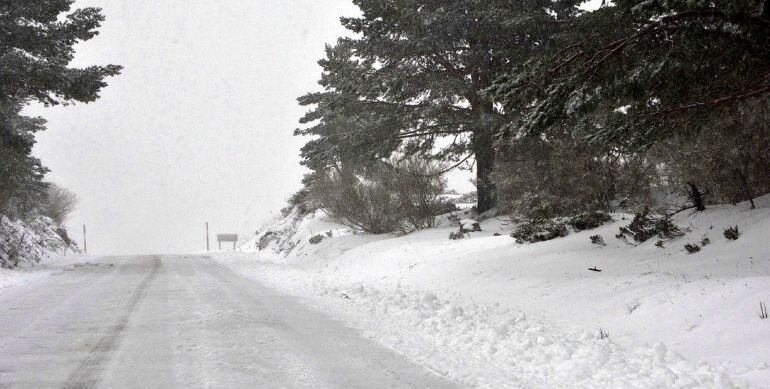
[(691, 248), (402, 196), (456, 235), (447, 206), (58, 203), (645, 226), (705, 242), (316, 239), (588, 221), (302, 201), (732, 233), (538, 232), (597, 240), (470, 225), (266, 239), (64, 236), (29, 241)]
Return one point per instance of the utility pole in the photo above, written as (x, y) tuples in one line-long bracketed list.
[(207, 236), (85, 242)]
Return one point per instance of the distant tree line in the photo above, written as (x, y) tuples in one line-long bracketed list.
[(37, 39), (559, 110)]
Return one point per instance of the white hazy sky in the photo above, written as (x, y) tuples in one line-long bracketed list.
[(199, 125)]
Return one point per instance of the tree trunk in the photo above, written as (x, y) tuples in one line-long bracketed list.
[(696, 197), (483, 141), (746, 188), (484, 151), (766, 9)]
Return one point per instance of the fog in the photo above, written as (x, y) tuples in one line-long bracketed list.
[(199, 125)]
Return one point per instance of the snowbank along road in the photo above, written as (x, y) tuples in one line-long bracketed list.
[(166, 322)]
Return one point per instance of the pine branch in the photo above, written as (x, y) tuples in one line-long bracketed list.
[(755, 91), (601, 55), (437, 173)]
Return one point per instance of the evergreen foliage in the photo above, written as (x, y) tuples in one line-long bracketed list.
[(732, 233), (413, 79), (35, 52), (637, 72), (561, 111), (588, 221), (646, 225), (539, 231)]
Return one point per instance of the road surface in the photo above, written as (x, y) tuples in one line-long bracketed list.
[(181, 322)]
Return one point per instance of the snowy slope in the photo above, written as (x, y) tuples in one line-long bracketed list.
[(35, 240), (488, 312)]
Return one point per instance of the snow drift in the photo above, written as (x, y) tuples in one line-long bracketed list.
[(488, 312), (23, 244)]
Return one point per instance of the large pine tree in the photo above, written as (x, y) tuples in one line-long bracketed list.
[(637, 72), (414, 78), (36, 48)]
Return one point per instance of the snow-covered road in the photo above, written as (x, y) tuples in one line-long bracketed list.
[(181, 322)]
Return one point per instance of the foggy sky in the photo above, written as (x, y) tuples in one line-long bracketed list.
[(199, 125)]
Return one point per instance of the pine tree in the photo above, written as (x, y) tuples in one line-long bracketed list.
[(638, 72), (414, 78), (37, 45), (667, 79), (21, 174)]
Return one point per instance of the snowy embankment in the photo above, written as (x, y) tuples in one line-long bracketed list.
[(28, 243), (488, 312)]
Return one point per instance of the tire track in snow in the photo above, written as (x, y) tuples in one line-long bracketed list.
[(87, 374)]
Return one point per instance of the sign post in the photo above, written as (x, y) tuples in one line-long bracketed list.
[(85, 242), (227, 238)]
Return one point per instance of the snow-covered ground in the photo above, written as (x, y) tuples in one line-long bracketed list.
[(487, 312), (32, 241), (28, 273), (182, 322)]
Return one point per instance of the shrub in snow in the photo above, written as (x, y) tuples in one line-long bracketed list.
[(468, 198), (538, 232), (564, 175), (316, 239), (645, 226), (705, 242), (603, 334), (280, 236), (597, 240), (588, 220), (732, 233), (300, 201), (762, 310), (456, 235), (691, 248), (447, 206), (28, 241), (469, 225), (58, 203), (265, 240), (400, 196)]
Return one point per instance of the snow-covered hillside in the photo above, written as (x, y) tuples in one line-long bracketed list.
[(23, 244), (488, 312)]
